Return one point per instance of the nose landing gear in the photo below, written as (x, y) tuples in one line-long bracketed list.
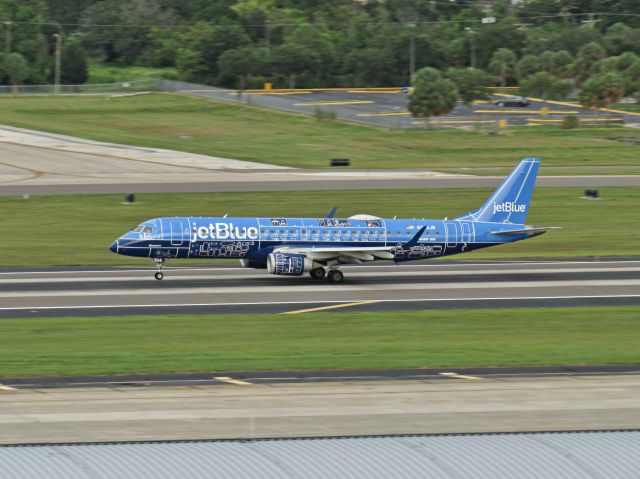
[(159, 262)]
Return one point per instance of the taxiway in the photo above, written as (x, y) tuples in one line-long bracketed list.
[(242, 409)]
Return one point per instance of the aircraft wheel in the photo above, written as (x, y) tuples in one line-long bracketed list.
[(335, 276), (317, 273), (158, 275)]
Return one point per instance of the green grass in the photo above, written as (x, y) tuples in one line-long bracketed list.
[(109, 73), (632, 107), (248, 133), (76, 230), (508, 337)]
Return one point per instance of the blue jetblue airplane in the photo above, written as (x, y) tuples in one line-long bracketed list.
[(319, 246)]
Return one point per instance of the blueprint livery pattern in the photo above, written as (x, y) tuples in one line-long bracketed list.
[(291, 246)]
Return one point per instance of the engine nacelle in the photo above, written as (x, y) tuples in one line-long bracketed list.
[(247, 263), (289, 264)]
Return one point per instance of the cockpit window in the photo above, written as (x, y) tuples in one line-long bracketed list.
[(143, 229)]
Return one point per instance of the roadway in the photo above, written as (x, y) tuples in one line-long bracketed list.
[(387, 108), (386, 287), (234, 408)]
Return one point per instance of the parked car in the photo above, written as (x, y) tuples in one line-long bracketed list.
[(513, 101)]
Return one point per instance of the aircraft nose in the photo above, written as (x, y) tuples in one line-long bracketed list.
[(114, 247)]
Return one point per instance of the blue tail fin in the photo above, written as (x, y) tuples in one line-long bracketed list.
[(510, 202)]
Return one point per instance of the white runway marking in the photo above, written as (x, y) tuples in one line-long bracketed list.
[(458, 376), (377, 265), (226, 379), (276, 303), (323, 288), (352, 274)]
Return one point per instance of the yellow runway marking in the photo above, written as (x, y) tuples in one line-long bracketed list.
[(454, 121), (6, 388), (226, 379), (269, 92), (352, 102), (390, 113), (333, 306), (458, 376), (582, 119), (374, 91), (529, 112)]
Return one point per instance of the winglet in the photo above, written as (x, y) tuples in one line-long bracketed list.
[(332, 213), (414, 241)]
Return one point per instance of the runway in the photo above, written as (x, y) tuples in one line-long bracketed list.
[(378, 287), (242, 409)]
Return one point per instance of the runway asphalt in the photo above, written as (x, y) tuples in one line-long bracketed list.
[(240, 409), (385, 287)]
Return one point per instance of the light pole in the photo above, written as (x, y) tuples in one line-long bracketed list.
[(56, 81), (267, 38), (7, 38), (412, 53), (472, 46)]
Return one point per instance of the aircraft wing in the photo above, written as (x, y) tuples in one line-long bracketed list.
[(343, 254), (352, 254)]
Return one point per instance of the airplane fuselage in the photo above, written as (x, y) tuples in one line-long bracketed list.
[(255, 238)]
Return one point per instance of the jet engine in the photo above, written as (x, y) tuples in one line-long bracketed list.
[(289, 264)]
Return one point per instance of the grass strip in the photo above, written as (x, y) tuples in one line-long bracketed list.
[(139, 344), (248, 133), (77, 229)]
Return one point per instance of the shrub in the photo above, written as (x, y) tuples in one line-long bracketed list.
[(569, 122)]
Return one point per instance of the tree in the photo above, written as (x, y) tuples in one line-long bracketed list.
[(74, 68), (560, 64), (586, 60), (432, 94), (203, 44), (627, 65), (239, 64), (602, 90), (17, 69), (527, 65), (622, 38), (503, 64), (543, 85), (471, 83), (371, 67), (492, 37), (293, 60)]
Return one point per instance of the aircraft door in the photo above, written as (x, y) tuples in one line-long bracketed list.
[(452, 234), (466, 232), (179, 231)]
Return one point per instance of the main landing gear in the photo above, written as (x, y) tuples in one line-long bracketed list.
[(159, 262), (334, 275), (317, 273)]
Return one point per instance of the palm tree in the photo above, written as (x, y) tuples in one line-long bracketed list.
[(503, 64)]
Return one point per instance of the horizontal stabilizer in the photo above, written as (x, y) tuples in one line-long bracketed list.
[(531, 231)]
